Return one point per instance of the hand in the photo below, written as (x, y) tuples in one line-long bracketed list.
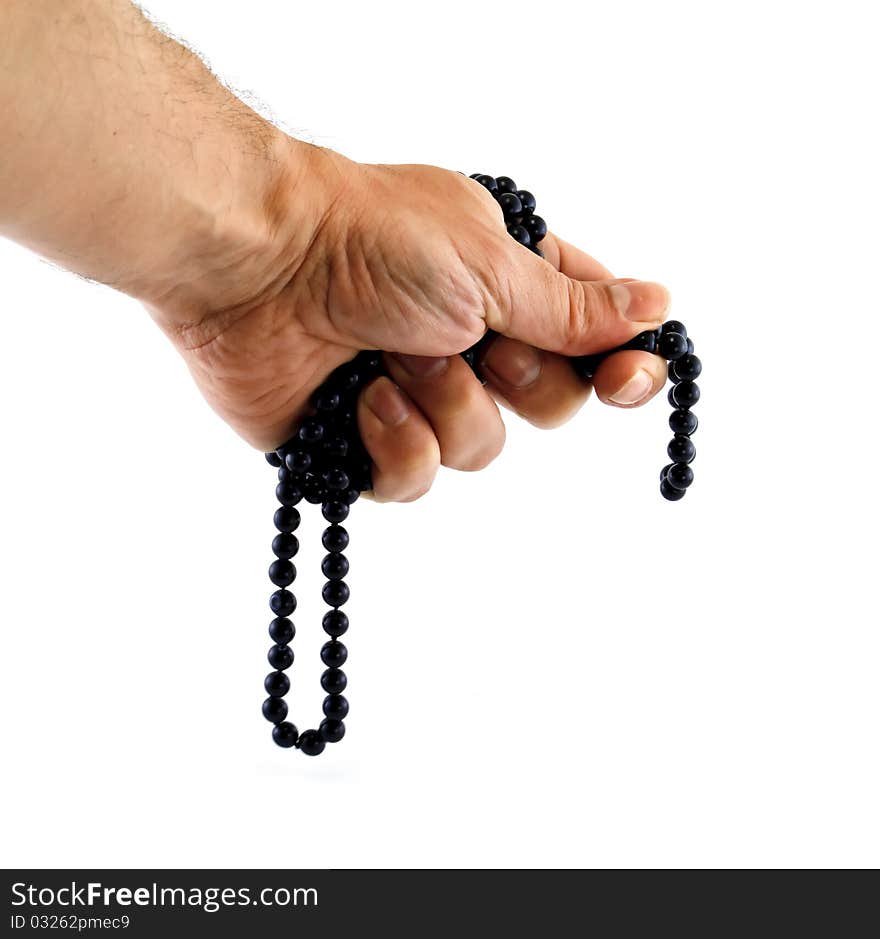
[(416, 261)]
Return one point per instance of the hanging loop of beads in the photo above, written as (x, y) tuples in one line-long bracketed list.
[(325, 463)]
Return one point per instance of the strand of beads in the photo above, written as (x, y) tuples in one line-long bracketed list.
[(326, 463)]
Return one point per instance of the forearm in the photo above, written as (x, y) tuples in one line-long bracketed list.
[(126, 161)]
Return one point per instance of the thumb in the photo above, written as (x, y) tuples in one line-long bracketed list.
[(544, 308)]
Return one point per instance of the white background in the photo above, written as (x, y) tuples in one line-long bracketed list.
[(549, 665)]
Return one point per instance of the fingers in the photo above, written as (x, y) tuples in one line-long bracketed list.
[(572, 261), (400, 441), (541, 387), (464, 418), (548, 309), (629, 379)]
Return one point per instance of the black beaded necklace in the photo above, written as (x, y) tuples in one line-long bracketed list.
[(326, 464)]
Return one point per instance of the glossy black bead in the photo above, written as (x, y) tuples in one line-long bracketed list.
[(285, 476), (350, 496), (282, 573), (670, 493), (687, 368), (334, 654), (670, 398), (680, 476), (664, 471), (314, 490), (285, 546), (272, 458), (335, 623), (335, 538), (644, 342), (274, 710), (335, 593), (672, 345), (518, 233), (506, 184), (287, 493), (488, 182), (586, 365), (280, 657), (681, 449), (333, 681), (282, 630), (536, 227), (335, 511), (670, 373), (285, 735), (686, 394), (286, 518), (336, 479), (298, 461), (690, 347), (282, 603), (527, 200), (510, 205), (311, 431), (336, 447), (683, 422), (331, 731), (311, 743), (336, 707), (327, 400), (277, 684), (674, 326), (334, 566)]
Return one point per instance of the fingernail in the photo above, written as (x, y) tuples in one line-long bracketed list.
[(637, 388), (640, 300), (384, 399), (423, 366), (515, 363)]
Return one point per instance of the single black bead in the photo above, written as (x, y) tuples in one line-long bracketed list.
[(644, 342), (686, 394), (286, 518), (285, 546), (688, 367), (327, 400), (333, 681), (670, 493), (282, 603), (277, 684), (350, 496), (311, 431), (527, 200), (664, 471), (674, 326), (331, 731), (335, 623), (282, 573), (336, 447), (336, 479), (586, 365), (298, 461), (282, 630), (281, 657), (487, 182), (285, 735), (314, 490), (510, 205), (285, 476), (536, 227), (335, 538), (681, 449), (670, 374), (690, 347), (336, 707), (371, 360), (683, 422), (672, 345), (670, 397), (349, 380), (272, 458), (506, 184), (335, 511), (311, 743), (680, 476), (274, 710), (287, 493), (335, 592), (519, 234), (334, 566), (334, 654)]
